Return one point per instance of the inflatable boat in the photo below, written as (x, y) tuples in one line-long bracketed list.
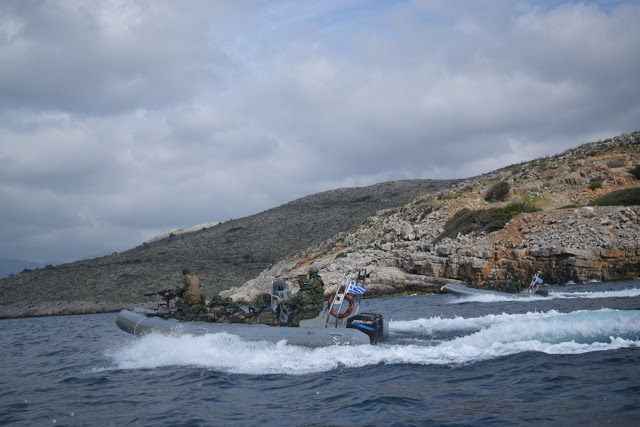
[(532, 289), (339, 324)]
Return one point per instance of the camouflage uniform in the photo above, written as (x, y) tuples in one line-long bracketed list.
[(308, 301), (190, 301), (213, 309), (189, 293), (234, 314), (267, 317), (220, 310), (264, 313), (215, 300)]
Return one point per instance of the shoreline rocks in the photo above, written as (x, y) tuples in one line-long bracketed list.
[(61, 308)]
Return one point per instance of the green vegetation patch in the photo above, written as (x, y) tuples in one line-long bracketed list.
[(466, 220), (595, 185), (498, 191), (628, 197)]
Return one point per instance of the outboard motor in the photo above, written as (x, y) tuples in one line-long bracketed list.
[(371, 324), (280, 289)]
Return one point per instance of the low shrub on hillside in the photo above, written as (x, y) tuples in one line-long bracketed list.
[(466, 220), (498, 191), (628, 197), (425, 212), (460, 222), (595, 185), (635, 171)]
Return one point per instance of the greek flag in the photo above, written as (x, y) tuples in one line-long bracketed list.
[(539, 280), (355, 289)]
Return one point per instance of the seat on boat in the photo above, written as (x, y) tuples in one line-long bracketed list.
[(280, 289)]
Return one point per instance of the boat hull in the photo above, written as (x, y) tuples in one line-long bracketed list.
[(138, 322), (461, 290)]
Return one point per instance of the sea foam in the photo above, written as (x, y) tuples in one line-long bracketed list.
[(486, 338)]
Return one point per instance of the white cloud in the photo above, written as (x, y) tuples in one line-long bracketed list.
[(115, 114)]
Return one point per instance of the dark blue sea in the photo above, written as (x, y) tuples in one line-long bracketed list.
[(570, 359)]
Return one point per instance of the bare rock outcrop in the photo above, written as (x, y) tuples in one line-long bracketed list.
[(578, 245)]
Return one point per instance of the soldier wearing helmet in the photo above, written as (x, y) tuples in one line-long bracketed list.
[(221, 309), (262, 302), (308, 301)]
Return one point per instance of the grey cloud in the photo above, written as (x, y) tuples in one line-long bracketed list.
[(101, 57), (499, 86), (112, 118)]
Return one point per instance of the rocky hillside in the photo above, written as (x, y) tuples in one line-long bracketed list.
[(549, 218), (222, 255)]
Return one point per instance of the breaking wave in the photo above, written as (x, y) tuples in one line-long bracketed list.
[(553, 294), (432, 341)]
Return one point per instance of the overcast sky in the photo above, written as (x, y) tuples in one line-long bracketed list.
[(120, 120)]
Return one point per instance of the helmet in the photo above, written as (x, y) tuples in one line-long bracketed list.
[(227, 300), (186, 271), (215, 299), (263, 300), (313, 270)]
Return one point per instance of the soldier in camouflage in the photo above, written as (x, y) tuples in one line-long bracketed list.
[(263, 313), (259, 310), (215, 301), (233, 314), (222, 309), (308, 301), (214, 309), (190, 301)]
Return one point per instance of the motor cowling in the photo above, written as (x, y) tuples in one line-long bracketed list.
[(371, 324)]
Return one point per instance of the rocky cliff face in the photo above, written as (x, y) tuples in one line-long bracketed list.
[(566, 239)]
